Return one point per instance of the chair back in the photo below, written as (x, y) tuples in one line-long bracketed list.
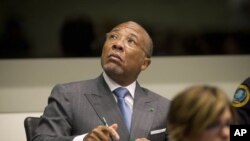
[(30, 125)]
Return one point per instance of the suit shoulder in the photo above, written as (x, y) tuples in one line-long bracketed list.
[(75, 86), (155, 95), (77, 83)]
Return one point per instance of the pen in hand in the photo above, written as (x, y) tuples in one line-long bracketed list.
[(104, 121), (106, 124)]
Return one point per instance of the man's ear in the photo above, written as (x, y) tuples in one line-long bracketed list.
[(146, 63)]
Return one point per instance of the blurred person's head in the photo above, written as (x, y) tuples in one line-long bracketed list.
[(77, 36), (200, 113)]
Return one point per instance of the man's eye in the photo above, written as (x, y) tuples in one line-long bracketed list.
[(131, 41), (113, 36)]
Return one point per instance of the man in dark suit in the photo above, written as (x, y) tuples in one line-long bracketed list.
[(82, 110)]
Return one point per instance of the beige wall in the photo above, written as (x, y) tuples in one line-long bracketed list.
[(26, 84)]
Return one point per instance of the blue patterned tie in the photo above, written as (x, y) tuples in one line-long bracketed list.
[(126, 111)]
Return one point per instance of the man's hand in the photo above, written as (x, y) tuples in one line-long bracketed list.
[(103, 133)]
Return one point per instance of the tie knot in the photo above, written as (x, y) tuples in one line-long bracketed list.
[(121, 92)]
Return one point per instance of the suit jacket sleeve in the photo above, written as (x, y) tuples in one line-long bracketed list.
[(55, 122)]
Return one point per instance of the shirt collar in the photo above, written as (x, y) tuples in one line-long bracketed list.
[(113, 85)]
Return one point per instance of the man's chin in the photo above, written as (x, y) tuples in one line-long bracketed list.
[(113, 69)]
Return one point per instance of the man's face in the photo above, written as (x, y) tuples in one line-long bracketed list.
[(124, 50)]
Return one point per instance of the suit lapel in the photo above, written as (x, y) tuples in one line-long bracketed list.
[(143, 114), (104, 104)]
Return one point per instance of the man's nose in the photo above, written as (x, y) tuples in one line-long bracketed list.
[(118, 45)]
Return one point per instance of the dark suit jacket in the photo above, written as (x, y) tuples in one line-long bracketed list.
[(78, 107), (244, 116)]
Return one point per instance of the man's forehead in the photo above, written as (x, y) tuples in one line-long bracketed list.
[(129, 24), (131, 28), (127, 30)]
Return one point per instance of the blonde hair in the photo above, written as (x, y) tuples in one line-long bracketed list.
[(194, 109)]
